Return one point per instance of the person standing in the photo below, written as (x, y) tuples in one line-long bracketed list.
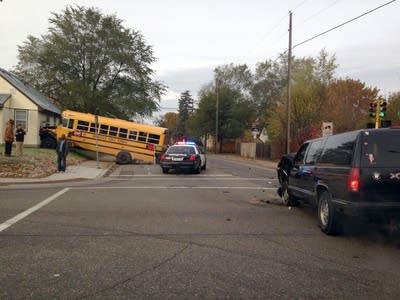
[(62, 151), (19, 139), (9, 137)]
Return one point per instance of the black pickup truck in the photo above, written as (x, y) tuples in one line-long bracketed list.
[(353, 174), (48, 138)]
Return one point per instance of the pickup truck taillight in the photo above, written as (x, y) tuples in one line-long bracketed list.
[(353, 181)]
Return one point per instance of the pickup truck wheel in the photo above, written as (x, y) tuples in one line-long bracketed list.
[(328, 219), (48, 142), (287, 199)]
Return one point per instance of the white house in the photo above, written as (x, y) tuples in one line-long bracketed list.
[(27, 106)]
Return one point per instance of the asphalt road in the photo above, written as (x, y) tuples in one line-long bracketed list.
[(221, 234)]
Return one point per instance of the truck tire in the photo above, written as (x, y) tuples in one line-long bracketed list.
[(328, 218), (48, 142), (287, 198)]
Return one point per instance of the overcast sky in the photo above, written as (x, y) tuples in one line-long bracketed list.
[(191, 37)]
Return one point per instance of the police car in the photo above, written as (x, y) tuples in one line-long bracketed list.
[(183, 156)]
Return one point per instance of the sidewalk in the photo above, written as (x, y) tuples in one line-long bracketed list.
[(86, 170)]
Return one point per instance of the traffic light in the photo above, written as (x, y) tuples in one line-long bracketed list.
[(386, 123), (372, 109), (382, 112)]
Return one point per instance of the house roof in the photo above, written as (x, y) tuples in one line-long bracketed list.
[(4, 98), (34, 95)]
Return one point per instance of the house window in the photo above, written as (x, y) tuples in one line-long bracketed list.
[(21, 117)]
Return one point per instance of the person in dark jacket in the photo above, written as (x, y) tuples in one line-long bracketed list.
[(9, 137), (19, 138), (283, 170), (62, 151)]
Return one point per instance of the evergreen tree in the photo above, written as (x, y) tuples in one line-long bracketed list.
[(186, 104)]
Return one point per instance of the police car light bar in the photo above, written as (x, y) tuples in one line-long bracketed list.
[(185, 143)]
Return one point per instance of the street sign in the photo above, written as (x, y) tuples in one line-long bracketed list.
[(327, 128)]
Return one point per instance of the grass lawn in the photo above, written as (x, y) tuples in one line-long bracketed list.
[(35, 162)]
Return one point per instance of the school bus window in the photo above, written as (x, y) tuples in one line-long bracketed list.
[(69, 123), (103, 129), (142, 136), (113, 131), (92, 127), (123, 133), (83, 125), (154, 138), (132, 135)]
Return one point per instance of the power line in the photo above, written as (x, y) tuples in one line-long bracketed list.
[(298, 5), (280, 22), (342, 24), (262, 39), (273, 29), (317, 13), (281, 55)]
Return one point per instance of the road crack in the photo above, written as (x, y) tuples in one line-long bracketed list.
[(150, 269)]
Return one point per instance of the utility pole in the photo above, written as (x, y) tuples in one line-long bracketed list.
[(96, 124), (289, 86), (378, 113), (216, 114)]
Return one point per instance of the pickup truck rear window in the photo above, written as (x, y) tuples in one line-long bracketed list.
[(339, 148), (381, 148)]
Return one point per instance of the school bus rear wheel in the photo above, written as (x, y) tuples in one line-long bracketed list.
[(124, 158)]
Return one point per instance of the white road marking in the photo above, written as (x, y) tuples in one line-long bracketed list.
[(174, 187), (27, 212), (167, 176), (196, 178)]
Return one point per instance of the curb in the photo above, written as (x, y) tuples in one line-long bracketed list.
[(46, 180)]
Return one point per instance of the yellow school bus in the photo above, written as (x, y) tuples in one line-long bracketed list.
[(126, 140)]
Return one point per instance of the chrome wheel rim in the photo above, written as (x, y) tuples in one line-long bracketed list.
[(324, 212)]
